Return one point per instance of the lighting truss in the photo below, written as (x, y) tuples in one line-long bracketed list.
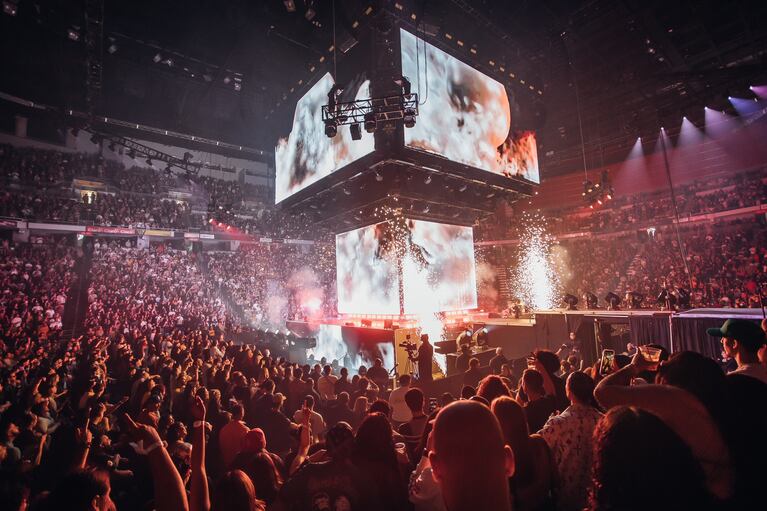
[(388, 108), (191, 168)]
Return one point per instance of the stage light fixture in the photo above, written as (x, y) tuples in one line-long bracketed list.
[(464, 337), (356, 131), (613, 301), (132, 154), (409, 117), (95, 139), (571, 301), (10, 8), (634, 299), (666, 299), (370, 122), (331, 129), (310, 11), (481, 337), (379, 177), (290, 5), (427, 180), (73, 34), (157, 58), (591, 300), (405, 84), (683, 298), (149, 161)]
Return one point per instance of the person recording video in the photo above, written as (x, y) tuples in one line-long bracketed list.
[(425, 357)]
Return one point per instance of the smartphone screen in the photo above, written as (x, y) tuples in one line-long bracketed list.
[(607, 361)]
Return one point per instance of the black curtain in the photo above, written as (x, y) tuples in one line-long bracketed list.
[(650, 330), (690, 335)]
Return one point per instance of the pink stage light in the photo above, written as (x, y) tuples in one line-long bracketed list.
[(759, 90)]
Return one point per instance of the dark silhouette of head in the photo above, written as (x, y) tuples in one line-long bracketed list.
[(470, 460), (640, 463)]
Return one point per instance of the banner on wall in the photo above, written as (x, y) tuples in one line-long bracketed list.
[(158, 232), (98, 229)]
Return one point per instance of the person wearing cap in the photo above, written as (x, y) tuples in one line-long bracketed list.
[(741, 340), (262, 467)]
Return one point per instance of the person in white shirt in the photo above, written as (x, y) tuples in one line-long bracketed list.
[(400, 411), (316, 421), (741, 340), (326, 384)]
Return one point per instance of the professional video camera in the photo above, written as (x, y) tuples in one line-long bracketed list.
[(409, 347)]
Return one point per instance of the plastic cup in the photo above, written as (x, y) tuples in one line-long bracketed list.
[(650, 354)]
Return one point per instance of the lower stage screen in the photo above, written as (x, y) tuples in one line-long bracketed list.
[(434, 262), (351, 346)]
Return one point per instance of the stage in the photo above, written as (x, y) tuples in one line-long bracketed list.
[(358, 341)]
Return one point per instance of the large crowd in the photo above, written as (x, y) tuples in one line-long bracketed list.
[(271, 283), (39, 186), (641, 210), (152, 404), (155, 407)]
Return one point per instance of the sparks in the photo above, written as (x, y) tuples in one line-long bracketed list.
[(534, 279)]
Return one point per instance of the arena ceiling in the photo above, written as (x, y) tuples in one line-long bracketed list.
[(233, 70)]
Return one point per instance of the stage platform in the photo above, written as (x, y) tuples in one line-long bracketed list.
[(359, 342)]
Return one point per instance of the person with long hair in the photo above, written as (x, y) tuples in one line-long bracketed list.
[(532, 481), (491, 387), (640, 463), (359, 411), (690, 396), (235, 492), (375, 455)]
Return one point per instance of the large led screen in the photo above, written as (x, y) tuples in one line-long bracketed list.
[(439, 271), (307, 154), (435, 262), (367, 277), (464, 115)]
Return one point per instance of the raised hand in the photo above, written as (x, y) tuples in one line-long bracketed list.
[(141, 432), (198, 409)]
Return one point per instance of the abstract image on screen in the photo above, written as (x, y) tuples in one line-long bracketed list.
[(367, 281), (351, 346), (435, 261), (307, 154), (439, 271), (464, 115)]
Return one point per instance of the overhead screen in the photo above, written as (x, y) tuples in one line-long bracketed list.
[(307, 154), (437, 268), (464, 115)]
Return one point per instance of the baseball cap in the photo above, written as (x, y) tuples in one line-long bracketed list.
[(254, 440), (744, 331), (339, 434)]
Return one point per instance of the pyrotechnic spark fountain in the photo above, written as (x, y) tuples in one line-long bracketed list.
[(419, 281), (534, 279)]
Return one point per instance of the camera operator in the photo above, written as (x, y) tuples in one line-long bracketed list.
[(424, 359)]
